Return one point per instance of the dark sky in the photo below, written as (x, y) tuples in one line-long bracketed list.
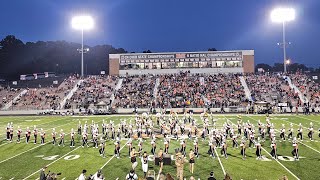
[(171, 25)]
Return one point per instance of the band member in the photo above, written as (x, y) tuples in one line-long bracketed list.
[(180, 160), (140, 144), (61, 138), (224, 148), (160, 155), (8, 131), (268, 126), (196, 148), (84, 139), (239, 127), (251, 138), (203, 134), (95, 139), (153, 147), (183, 148), (42, 135), (54, 135), (274, 149), (104, 127), (117, 149), (191, 161), (28, 134), (11, 133), (310, 133), (72, 138), (258, 149), (133, 158), (243, 148), (166, 146), (19, 131), (35, 134), (211, 149), (319, 132), (102, 147), (259, 126), (282, 131), (295, 151), (290, 135), (144, 161), (300, 129), (129, 144), (234, 141)]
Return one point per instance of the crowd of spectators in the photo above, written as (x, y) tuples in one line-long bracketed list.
[(7, 94), (179, 90), (271, 88), (224, 90), (200, 90), (92, 90), (173, 91), (44, 98), (136, 92), (308, 87)]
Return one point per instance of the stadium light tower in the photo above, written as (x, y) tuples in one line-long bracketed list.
[(283, 15), (82, 23)]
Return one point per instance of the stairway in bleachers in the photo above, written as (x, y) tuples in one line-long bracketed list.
[(246, 89), (70, 94), (9, 104), (118, 86), (296, 89)]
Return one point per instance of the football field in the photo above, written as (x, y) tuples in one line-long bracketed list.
[(24, 161)]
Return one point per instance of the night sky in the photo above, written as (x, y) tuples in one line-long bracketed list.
[(171, 25)]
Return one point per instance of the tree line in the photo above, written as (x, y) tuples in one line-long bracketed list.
[(61, 57)]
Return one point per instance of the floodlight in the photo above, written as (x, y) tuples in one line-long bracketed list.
[(281, 15), (82, 22)]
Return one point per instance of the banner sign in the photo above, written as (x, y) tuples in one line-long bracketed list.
[(315, 77), (23, 77), (102, 72), (214, 55), (14, 82)]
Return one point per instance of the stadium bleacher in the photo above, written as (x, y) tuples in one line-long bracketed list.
[(182, 90)]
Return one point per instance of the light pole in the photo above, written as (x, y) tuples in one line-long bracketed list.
[(283, 15), (82, 23)]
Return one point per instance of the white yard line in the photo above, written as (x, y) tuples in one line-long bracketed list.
[(19, 154), (113, 156), (224, 172), (270, 154), (281, 164), (301, 141), (52, 162), (308, 119)]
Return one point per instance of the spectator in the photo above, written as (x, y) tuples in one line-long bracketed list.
[(132, 175), (82, 175), (43, 175), (211, 176), (227, 177)]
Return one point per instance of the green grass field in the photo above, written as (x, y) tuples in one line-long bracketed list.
[(19, 161)]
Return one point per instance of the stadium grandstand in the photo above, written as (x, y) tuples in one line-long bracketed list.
[(217, 81)]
